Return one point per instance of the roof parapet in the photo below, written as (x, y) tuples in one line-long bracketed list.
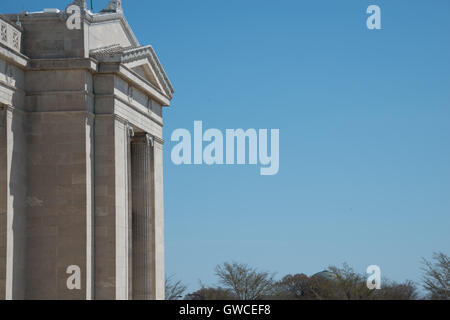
[(10, 34)]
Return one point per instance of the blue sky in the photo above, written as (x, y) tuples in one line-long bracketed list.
[(364, 119)]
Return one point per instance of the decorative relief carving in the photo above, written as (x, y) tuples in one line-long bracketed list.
[(16, 40), (4, 33), (9, 35)]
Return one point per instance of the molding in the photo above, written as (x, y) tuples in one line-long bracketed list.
[(19, 60), (112, 96), (114, 116), (9, 86), (87, 17), (63, 64), (125, 122), (47, 93), (140, 53), (89, 114), (147, 115), (141, 83), (159, 140), (130, 76), (145, 54), (12, 109), (148, 138)]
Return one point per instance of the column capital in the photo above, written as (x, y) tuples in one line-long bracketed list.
[(143, 138), (130, 131)]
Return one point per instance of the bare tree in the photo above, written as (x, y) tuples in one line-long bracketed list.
[(350, 285), (397, 291), (245, 282), (437, 277), (293, 287), (206, 293), (343, 284), (174, 289)]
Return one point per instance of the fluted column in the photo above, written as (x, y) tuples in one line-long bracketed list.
[(130, 135), (143, 217)]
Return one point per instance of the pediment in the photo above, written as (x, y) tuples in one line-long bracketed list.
[(144, 69), (142, 61)]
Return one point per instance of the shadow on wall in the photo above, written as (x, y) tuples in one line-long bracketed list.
[(16, 145), (3, 209)]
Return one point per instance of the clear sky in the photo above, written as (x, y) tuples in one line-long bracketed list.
[(364, 119)]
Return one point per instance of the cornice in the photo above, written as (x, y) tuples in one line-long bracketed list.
[(63, 64), (125, 122), (128, 104), (148, 52), (130, 76), (12, 109), (117, 54), (14, 57)]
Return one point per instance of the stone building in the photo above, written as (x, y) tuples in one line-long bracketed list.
[(81, 157)]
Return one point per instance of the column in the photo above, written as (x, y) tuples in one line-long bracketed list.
[(113, 244), (130, 135), (143, 217), (158, 183)]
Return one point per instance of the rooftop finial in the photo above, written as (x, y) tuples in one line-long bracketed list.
[(18, 23), (81, 3), (113, 6)]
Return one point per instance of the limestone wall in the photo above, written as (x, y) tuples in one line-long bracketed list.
[(59, 203), (47, 37)]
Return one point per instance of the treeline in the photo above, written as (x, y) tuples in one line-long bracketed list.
[(241, 282)]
